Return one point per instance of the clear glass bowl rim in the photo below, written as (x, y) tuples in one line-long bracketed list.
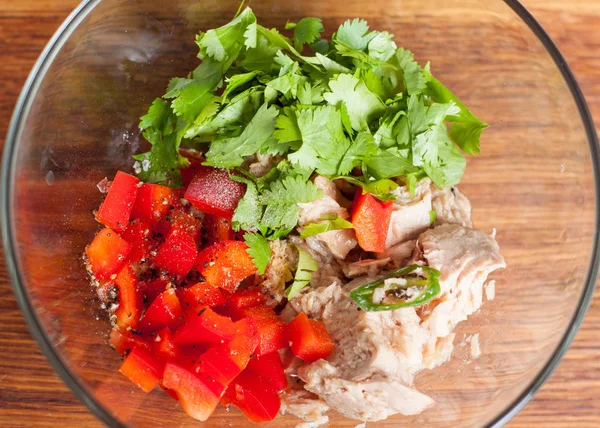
[(32, 83)]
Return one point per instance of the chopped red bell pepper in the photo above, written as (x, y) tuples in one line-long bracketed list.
[(217, 368), (116, 208), (188, 174), (205, 327), (125, 341), (165, 311), (196, 398), (216, 229), (107, 253), (225, 264), (177, 254), (271, 329), (244, 342), (269, 367), (138, 235), (130, 300), (152, 289), (243, 299), (309, 339), (142, 369), (214, 192), (371, 220), (254, 396), (186, 223), (202, 293), (164, 347), (153, 202)]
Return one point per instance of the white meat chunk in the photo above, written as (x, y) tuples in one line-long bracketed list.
[(279, 271), (451, 206), (304, 405), (369, 375), (399, 253), (465, 257), (411, 216), (339, 242)]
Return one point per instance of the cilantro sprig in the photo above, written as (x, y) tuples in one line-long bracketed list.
[(355, 107)]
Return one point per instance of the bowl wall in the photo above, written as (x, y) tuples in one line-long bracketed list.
[(533, 183)]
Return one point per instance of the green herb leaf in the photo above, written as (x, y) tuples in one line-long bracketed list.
[(355, 34), (259, 250), (306, 266), (230, 152), (363, 105), (337, 223), (307, 30)]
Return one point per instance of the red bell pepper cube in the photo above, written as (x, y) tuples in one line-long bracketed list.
[(254, 396), (130, 300), (196, 398), (271, 329), (217, 368), (309, 339), (177, 254), (214, 192), (205, 327), (138, 235), (118, 204), (371, 220), (165, 311), (242, 299), (186, 223), (107, 253), (163, 344), (143, 369), (153, 202), (216, 229), (202, 293), (152, 289), (225, 264), (125, 341), (244, 342), (269, 367)]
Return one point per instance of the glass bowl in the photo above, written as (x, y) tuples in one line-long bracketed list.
[(536, 183)]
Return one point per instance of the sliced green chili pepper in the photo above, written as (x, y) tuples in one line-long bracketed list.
[(395, 295)]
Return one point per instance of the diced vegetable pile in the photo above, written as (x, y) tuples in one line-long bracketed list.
[(189, 317)]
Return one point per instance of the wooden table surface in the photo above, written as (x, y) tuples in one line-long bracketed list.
[(32, 395)]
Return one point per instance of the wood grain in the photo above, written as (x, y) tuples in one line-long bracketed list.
[(32, 395)]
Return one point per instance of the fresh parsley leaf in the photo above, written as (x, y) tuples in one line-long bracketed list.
[(386, 164), (230, 152), (324, 143), (237, 81), (307, 30), (306, 266), (466, 129), (249, 210), (414, 79), (355, 34), (163, 162), (287, 131), (337, 223), (379, 188), (225, 43), (382, 47), (363, 105), (259, 250)]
